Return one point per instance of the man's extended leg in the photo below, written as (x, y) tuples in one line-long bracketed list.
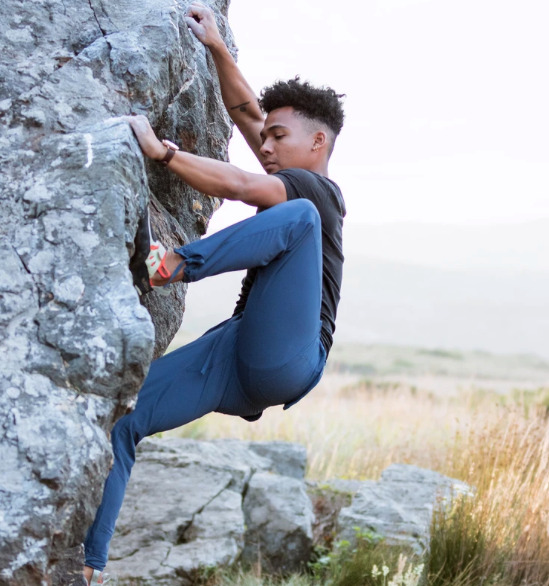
[(178, 389)]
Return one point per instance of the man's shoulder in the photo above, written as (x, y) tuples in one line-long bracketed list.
[(304, 177), (302, 183)]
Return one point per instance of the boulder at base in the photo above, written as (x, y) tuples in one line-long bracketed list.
[(194, 505)]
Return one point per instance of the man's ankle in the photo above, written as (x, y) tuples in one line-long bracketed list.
[(171, 261)]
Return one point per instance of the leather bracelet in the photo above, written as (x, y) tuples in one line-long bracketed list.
[(172, 149)]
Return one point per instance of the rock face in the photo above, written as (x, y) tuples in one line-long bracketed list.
[(192, 505), (400, 506), (75, 340)]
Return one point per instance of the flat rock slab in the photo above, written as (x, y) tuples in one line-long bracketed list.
[(192, 505), (400, 506)]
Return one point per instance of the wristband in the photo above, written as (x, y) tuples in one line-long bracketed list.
[(172, 149)]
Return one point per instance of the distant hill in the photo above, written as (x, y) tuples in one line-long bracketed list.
[(522, 245), (448, 287), (429, 366), (503, 311)]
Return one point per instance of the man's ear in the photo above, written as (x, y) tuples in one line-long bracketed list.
[(320, 140)]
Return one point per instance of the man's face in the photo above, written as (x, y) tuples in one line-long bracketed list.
[(287, 141)]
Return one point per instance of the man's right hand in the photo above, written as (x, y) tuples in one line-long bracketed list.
[(202, 22)]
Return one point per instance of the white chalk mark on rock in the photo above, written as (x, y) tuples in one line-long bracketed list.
[(90, 150)]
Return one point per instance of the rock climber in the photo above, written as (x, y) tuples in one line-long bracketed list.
[(273, 349)]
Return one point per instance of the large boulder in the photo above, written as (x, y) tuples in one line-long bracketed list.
[(194, 505), (76, 342), (399, 507)]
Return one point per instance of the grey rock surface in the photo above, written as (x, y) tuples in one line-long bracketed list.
[(399, 506), (288, 459), (192, 505), (75, 341), (279, 521)]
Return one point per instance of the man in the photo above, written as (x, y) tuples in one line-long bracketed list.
[(273, 349)]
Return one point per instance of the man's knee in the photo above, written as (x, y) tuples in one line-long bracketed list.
[(305, 210), (126, 433)]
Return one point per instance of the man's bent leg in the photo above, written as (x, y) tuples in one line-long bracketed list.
[(254, 242), (282, 313), (284, 244), (279, 352)]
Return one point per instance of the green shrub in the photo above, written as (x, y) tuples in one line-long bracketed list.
[(369, 562)]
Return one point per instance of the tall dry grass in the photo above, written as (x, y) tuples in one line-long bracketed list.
[(498, 445), (506, 458)]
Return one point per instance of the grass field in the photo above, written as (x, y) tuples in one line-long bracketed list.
[(487, 430)]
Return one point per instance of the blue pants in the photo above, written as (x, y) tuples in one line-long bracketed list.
[(270, 354)]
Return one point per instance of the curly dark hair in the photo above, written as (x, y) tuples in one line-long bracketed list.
[(321, 104)]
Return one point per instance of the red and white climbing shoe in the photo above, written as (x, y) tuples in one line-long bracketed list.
[(155, 260), (148, 259)]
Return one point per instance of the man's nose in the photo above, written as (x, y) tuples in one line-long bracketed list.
[(266, 148)]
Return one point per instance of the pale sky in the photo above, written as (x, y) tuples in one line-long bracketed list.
[(447, 108)]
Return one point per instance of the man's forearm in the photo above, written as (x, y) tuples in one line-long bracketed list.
[(224, 180), (208, 176), (238, 96)]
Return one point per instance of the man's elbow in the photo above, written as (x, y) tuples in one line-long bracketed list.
[(253, 189), (235, 188), (244, 189)]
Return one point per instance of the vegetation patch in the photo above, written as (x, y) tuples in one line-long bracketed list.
[(327, 503), (369, 562)]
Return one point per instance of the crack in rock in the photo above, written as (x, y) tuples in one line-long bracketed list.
[(103, 31)]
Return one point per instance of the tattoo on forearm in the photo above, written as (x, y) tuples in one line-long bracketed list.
[(241, 107)]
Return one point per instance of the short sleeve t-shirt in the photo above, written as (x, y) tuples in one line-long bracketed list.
[(328, 200)]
